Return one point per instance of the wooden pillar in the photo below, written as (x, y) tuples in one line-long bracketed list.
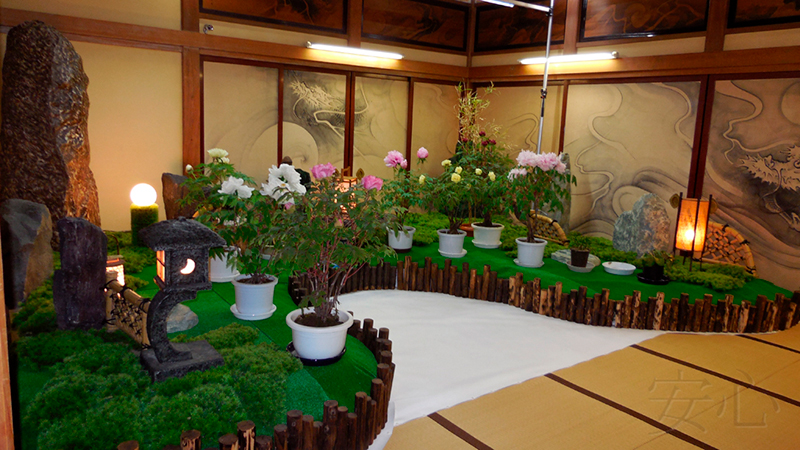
[(6, 416), (190, 15), (190, 67)]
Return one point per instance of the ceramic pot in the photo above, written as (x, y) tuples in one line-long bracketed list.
[(253, 301), (402, 242), (530, 254), (452, 245), (487, 237), (467, 229), (318, 343), (218, 270)]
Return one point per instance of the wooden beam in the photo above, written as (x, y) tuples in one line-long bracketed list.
[(190, 15), (6, 416), (112, 33), (572, 28), (192, 107), (717, 24), (354, 19)]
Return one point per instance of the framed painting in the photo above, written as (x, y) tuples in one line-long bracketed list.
[(427, 23), (322, 15), (620, 19), (500, 28), (744, 13)]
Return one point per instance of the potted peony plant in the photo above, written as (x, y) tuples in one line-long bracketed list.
[(329, 233), (450, 193), (399, 195), (232, 206), (537, 179)]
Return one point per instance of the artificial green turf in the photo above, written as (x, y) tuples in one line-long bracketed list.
[(595, 281)]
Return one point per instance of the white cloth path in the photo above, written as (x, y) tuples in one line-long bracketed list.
[(449, 350)]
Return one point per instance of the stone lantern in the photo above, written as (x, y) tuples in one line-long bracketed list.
[(182, 248)]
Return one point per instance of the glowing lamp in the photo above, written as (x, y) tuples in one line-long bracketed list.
[(144, 210), (690, 235)]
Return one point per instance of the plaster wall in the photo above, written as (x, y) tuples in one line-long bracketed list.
[(153, 13)]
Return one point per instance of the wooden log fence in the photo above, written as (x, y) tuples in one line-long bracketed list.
[(126, 310), (707, 314), (338, 429)]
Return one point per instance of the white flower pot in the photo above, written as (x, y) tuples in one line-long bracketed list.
[(402, 242), (319, 342), (218, 270), (487, 237), (530, 254), (253, 301), (452, 245)]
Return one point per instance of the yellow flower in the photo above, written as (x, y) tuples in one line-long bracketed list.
[(491, 176), (478, 171), (459, 169), (455, 178), (446, 163), (422, 179)]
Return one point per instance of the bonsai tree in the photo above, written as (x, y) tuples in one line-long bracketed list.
[(579, 246), (329, 233), (490, 163)]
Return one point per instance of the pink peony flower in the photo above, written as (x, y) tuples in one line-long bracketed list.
[(321, 171), (394, 159), (404, 164), (482, 134), (422, 153), (372, 182), (561, 167), (514, 173), (548, 161), (527, 158)]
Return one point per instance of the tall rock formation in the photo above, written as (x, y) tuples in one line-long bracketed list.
[(45, 143)]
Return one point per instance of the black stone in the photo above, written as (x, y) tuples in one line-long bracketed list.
[(26, 230), (203, 357), (78, 286), (44, 156)]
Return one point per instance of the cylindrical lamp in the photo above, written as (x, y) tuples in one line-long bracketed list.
[(690, 234), (144, 210)]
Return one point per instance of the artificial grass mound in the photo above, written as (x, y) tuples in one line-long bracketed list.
[(100, 396)]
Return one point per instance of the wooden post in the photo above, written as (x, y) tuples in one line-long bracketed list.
[(627, 311), (548, 301), (246, 433), (446, 277), (341, 428), (294, 422), (352, 432), (790, 312), (280, 436), (436, 278), (473, 279), (372, 424), (557, 301), (598, 309), (683, 313), (319, 436), (571, 313), (412, 281), (127, 445), (308, 439), (464, 279), (228, 442), (263, 442), (455, 282), (619, 310), (330, 420), (378, 394), (635, 308), (191, 440), (361, 411), (761, 306), (401, 276), (426, 276), (490, 292), (610, 308), (485, 283)]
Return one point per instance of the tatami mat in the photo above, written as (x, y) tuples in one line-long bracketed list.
[(648, 384), (789, 338), (749, 420), (785, 382), (424, 434), (665, 442), (743, 359), (544, 414)]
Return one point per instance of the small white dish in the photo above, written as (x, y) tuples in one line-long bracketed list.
[(241, 316), (453, 255), (618, 268), (587, 269), (516, 261)]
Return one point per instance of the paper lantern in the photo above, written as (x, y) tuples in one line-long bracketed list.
[(690, 233)]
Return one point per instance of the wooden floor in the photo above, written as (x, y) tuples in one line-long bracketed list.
[(676, 391)]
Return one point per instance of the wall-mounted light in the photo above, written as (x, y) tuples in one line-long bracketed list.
[(513, 3), (354, 51), (579, 57)]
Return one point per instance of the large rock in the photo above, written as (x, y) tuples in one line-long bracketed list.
[(44, 156), (27, 256), (644, 228), (78, 286), (172, 193)]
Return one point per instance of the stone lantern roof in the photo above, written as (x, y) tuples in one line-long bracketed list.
[(178, 234)]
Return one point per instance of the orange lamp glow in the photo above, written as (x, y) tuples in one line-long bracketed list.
[(692, 222)]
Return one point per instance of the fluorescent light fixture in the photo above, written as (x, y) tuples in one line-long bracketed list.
[(580, 57), (513, 3), (355, 51), (499, 2)]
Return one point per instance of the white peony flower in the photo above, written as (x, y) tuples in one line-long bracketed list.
[(217, 153), (289, 175), (225, 159), (188, 168), (236, 186)]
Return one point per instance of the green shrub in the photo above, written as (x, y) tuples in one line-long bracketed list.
[(426, 225), (106, 425), (46, 349), (37, 314)]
